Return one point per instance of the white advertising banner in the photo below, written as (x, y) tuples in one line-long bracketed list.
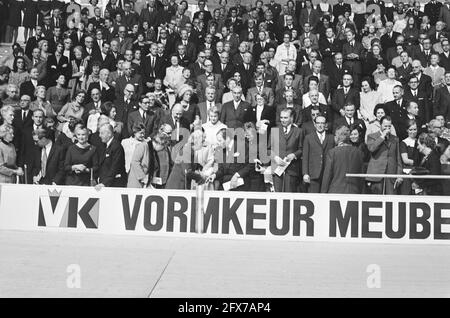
[(227, 215)]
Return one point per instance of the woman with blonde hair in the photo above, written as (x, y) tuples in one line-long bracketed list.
[(8, 156), (41, 102), (78, 67), (43, 46)]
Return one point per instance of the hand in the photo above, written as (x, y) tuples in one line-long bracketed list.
[(211, 178), (149, 85), (398, 182), (279, 161), (36, 180), (290, 157), (82, 167), (99, 186), (342, 112), (306, 179), (19, 172)]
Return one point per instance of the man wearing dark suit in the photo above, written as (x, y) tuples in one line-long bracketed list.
[(423, 54), (107, 91), (297, 82), (315, 148), (224, 68), (150, 14), (352, 52), (203, 82), (309, 15), (444, 57), (142, 116), (442, 99), (97, 20), (388, 40), (57, 66), (77, 36), (128, 78), (48, 164), (28, 147), (33, 41), (288, 85), (324, 83), (38, 62), (105, 57), (233, 113), (329, 46), (339, 161), (424, 80), (22, 118), (432, 10), (126, 105), (28, 87), (396, 109), (111, 170), (348, 120), (210, 101), (261, 113), (412, 93), (233, 38), (197, 67), (152, 67), (340, 8), (336, 71), (206, 14), (385, 159), (261, 45), (288, 148), (129, 17), (179, 124), (247, 71), (191, 50), (123, 42), (404, 71), (343, 96)]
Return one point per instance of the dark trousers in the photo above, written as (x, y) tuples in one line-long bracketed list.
[(286, 183), (314, 186)]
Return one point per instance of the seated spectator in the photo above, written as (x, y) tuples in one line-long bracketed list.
[(8, 168), (58, 95), (41, 103), (72, 109)]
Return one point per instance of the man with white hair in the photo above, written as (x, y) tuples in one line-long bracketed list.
[(128, 77), (111, 170), (107, 91), (233, 112)]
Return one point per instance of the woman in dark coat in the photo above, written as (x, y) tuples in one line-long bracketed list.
[(81, 160), (30, 17)]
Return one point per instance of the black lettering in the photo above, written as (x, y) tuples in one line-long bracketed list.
[(342, 220), (273, 217), (83, 213), (251, 216), (229, 214), (439, 220), (172, 213), (414, 219), (366, 218), (130, 219), (401, 221), (193, 213), (306, 217), (159, 201), (212, 215)]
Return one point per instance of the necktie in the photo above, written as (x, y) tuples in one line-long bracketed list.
[(153, 62), (285, 130), (24, 115), (321, 138), (143, 116), (44, 162)]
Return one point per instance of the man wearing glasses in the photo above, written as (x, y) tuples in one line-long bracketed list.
[(197, 66), (424, 80), (412, 93)]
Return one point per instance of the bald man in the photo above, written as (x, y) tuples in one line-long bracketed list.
[(106, 90)]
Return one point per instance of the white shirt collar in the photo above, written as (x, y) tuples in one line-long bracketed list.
[(109, 142)]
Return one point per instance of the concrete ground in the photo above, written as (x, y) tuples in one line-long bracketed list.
[(37, 264)]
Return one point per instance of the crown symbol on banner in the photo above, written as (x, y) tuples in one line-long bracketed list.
[(54, 193)]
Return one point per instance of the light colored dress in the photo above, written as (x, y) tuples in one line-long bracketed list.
[(284, 53), (368, 101), (129, 145), (436, 74), (385, 89), (7, 162)]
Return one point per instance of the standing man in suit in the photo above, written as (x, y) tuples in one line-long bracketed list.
[(191, 50), (233, 113), (324, 83), (309, 15), (260, 89), (329, 46), (444, 57), (315, 149), (209, 103), (48, 165), (150, 14), (111, 170), (123, 42), (152, 67), (343, 96), (396, 109), (287, 147), (340, 8), (442, 99), (202, 80), (225, 68), (260, 114), (341, 160), (142, 116), (353, 52), (432, 10), (336, 72), (349, 120), (388, 40), (130, 17), (128, 78), (37, 62), (29, 87), (412, 93), (384, 159), (424, 80)]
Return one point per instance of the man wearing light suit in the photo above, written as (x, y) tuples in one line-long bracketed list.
[(204, 107), (260, 89)]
